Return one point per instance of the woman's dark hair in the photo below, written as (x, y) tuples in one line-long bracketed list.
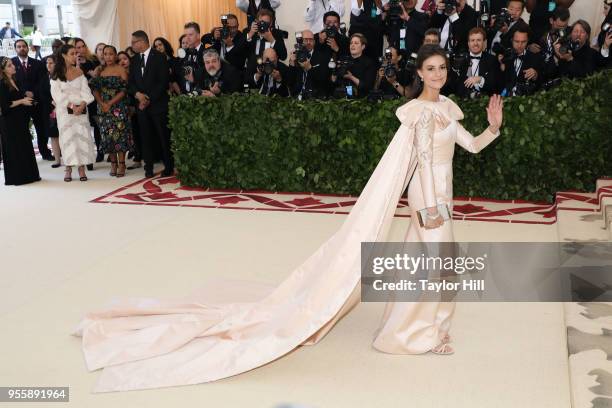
[(425, 52), (181, 41), (167, 47), (112, 47), (3, 77), (88, 55), (60, 63), (129, 50), (585, 26)]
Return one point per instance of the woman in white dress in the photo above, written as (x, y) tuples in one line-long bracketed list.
[(71, 93), (218, 333)]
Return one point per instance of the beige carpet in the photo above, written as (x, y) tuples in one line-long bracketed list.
[(61, 256)]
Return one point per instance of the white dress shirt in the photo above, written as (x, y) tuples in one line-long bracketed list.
[(244, 4), (146, 58), (316, 9), (356, 10)]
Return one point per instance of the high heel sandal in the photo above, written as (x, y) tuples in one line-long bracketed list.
[(121, 172), (443, 349), (113, 171), (82, 178), (68, 175)]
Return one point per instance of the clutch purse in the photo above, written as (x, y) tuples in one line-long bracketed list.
[(442, 210)]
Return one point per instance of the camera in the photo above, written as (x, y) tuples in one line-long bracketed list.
[(567, 45), (450, 6), (343, 65), (504, 17), (387, 64), (263, 26), (484, 14), (331, 31), (524, 87), (301, 52), (606, 27), (394, 15), (458, 60), (225, 30), (267, 67)]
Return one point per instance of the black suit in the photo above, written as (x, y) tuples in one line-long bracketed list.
[(511, 78), (316, 81), (256, 47), (193, 59), (458, 30), (230, 78), (371, 27), (341, 40), (586, 61), (29, 80), (237, 55), (266, 85), (153, 120), (415, 31), (365, 70), (488, 68), (506, 38)]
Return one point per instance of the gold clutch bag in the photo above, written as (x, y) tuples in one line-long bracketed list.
[(443, 210)]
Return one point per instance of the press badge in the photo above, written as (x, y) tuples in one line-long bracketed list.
[(374, 11), (403, 39), (552, 6)]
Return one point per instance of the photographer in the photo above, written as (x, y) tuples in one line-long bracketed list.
[(359, 74), (480, 74), (309, 68), (191, 62), (262, 35), (432, 37), (392, 78), (317, 10), (558, 33), (253, 7), (606, 26), (218, 77), (332, 38), (230, 42), (366, 19), (269, 76), (578, 59), (405, 26), (521, 68), (540, 12), (455, 19), (504, 25)]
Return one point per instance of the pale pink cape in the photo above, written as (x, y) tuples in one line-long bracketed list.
[(145, 343)]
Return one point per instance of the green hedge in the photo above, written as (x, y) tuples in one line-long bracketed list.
[(552, 141)]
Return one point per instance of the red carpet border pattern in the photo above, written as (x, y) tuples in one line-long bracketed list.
[(168, 191)]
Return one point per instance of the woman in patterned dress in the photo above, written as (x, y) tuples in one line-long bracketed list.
[(110, 91)]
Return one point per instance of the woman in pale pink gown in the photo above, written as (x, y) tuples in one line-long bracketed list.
[(148, 343)]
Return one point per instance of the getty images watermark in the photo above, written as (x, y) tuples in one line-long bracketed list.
[(476, 271)]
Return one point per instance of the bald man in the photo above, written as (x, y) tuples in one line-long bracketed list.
[(310, 78), (268, 76)]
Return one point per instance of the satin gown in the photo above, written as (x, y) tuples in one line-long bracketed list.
[(149, 343), (411, 327)]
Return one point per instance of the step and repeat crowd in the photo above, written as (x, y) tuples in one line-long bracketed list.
[(121, 97)]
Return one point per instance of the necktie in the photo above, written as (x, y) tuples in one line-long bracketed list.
[(142, 63)]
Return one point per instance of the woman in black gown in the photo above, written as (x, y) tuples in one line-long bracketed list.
[(17, 151)]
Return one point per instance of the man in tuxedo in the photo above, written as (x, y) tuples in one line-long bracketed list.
[(504, 35), (336, 45), (366, 19), (219, 77), (454, 23), (406, 33), (310, 78), (480, 75), (559, 22), (540, 12), (270, 77), (29, 73), (231, 46), (261, 35), (148, 83), (432, 36), (193, 60), (253, 7), (521, 68)]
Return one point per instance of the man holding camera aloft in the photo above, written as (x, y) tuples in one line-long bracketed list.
[(269, 75), (261, 35), (253, 7), (455, 19), (230, 42), (540, 12), (316, 10), (309, 68), (504, 25), (521, 68), (480, 74), (332, 39), (405, 26)]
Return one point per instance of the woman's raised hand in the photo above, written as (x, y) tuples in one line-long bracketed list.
[(495, 112)]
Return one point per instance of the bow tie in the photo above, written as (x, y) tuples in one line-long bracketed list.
[(475, 57)]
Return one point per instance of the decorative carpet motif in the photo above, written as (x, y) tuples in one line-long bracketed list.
[(167, 191)]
